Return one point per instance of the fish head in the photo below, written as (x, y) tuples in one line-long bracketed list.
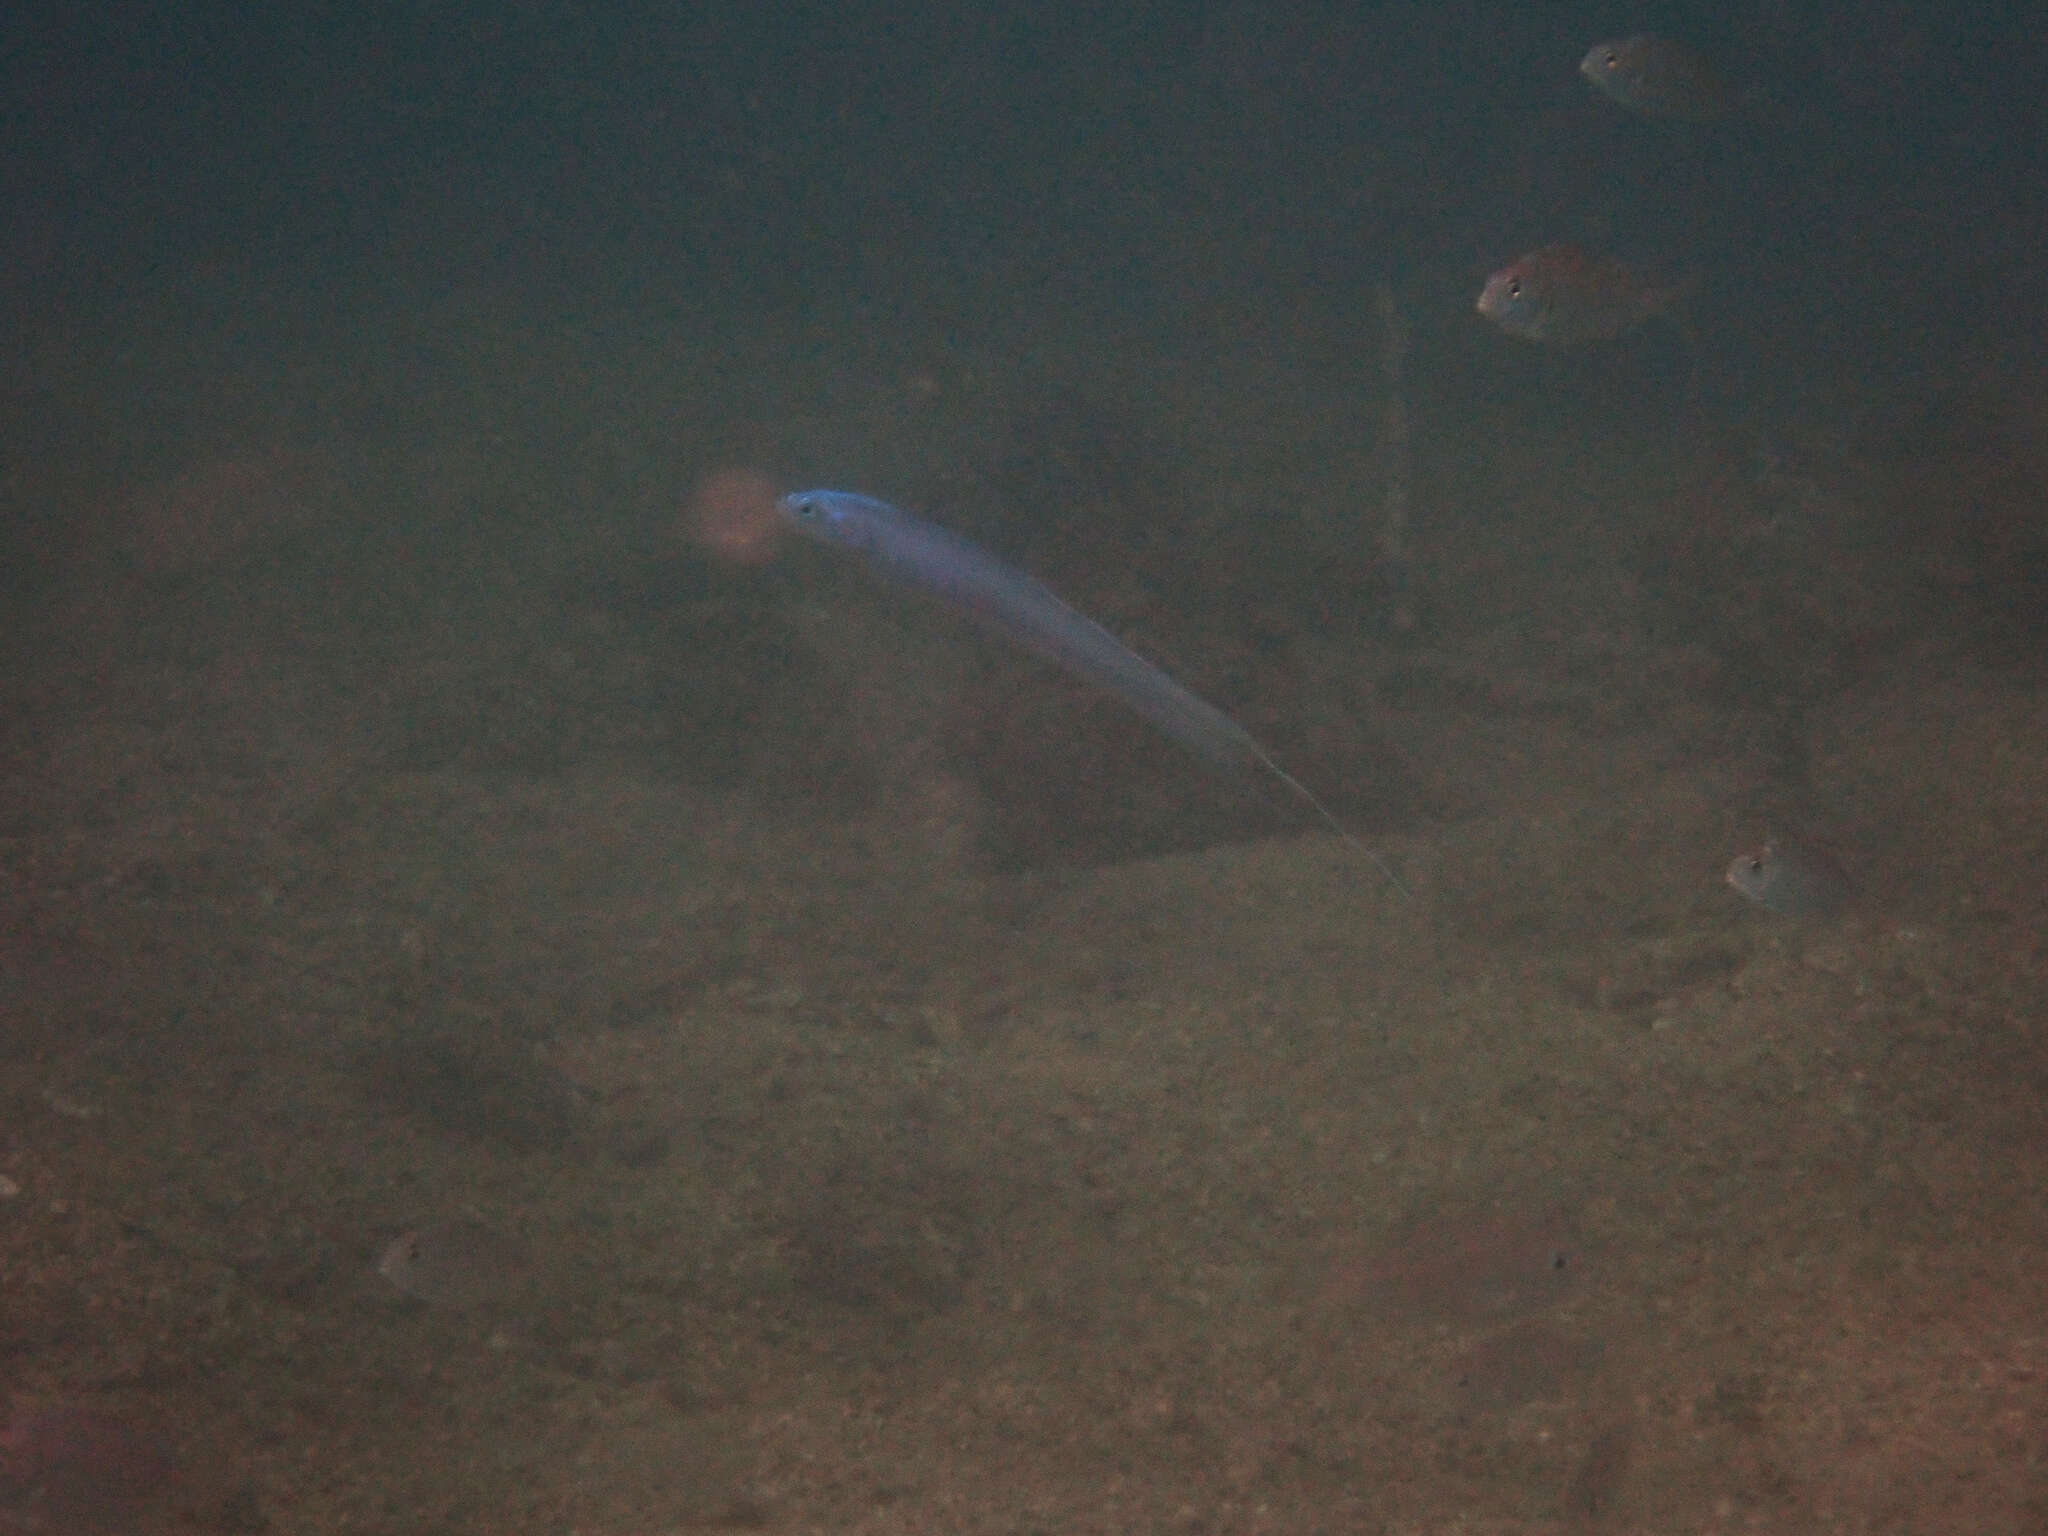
[(1606, 66), (842, 518), (399, 1259), (1750, 873), (1513, 299)]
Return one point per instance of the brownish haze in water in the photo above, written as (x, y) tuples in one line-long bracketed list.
[(934, 1105)]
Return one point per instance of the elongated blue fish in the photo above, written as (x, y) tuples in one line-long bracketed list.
[(921, 554)]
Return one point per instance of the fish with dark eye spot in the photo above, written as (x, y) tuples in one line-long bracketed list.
[(1793, 878), (1658, 77), (459, 1265), (1562, 296)]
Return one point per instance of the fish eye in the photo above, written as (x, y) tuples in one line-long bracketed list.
[(804, 507), (1756, 863), (1611, 59), (1514, 288)]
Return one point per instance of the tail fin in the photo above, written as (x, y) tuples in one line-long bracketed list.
[(1328, 818)]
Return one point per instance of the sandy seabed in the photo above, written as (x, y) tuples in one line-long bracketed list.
[(870, 1169)]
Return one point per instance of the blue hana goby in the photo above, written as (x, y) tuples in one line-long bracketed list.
[(921, 554)]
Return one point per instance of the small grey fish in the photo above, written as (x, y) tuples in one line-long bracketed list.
[(457, 1264), (1657, 77), (1792, 878)]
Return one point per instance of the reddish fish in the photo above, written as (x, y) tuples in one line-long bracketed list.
[(1561, 296)]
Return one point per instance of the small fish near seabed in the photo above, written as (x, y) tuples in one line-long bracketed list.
[(1562, 296), (458, 1265), (1658, 77), (1793, 878)]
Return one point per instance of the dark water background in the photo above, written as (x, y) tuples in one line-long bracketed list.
[(912, 152), (1874, 205), (205, 202)]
